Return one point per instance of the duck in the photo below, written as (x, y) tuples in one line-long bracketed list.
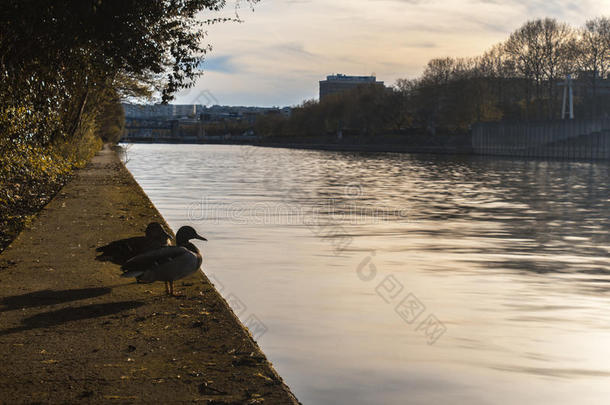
[(168, 263), (120, 251)]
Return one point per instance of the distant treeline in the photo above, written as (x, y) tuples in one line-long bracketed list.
[(64, 68), (517, 80)]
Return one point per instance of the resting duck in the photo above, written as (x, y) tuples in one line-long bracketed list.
[(169, 263), (120, 251)]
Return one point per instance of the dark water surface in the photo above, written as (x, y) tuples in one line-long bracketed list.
[(404, 279)]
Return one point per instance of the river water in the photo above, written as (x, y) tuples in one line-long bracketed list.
[(404, 279)]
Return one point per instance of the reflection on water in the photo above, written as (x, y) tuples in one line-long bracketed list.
[(344, 257)]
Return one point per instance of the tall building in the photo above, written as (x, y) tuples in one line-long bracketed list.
[(339, 82)]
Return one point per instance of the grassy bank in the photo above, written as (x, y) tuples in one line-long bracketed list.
[(31, 175)]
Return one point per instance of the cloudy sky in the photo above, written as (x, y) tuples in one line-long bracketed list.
[(284, 47)]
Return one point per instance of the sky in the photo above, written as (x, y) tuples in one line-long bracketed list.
[(283, 48)]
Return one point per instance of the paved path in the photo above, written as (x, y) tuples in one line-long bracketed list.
[(72, 330)]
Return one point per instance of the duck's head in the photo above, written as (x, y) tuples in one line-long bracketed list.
[(185, 234), (155, 231)]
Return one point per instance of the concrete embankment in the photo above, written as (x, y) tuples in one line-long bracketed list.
[(556, 139), (72, 330), (567, 139)]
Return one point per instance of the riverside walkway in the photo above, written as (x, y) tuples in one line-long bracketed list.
[(72, 330)]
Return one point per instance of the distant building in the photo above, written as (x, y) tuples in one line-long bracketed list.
[(160, 111), (186, 122), (218, 113), (339, 83), (196, 111)]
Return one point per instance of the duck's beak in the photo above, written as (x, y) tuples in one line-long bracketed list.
[(201, 238)]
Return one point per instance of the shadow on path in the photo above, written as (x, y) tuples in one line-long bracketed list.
[(70, 314), (50, 297)]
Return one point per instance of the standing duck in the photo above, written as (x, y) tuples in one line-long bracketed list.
[(169, 263), (120, 251)]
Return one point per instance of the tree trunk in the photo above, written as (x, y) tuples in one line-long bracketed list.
[(79, 116)]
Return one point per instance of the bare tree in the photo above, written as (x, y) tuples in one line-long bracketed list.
[(542, 51), (525, 48), (438, 71), (594, 53), (559, 56)]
